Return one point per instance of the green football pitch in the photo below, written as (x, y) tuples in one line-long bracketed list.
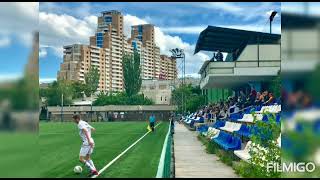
[(60, 145)]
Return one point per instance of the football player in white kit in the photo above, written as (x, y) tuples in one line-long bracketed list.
[(87, 144)]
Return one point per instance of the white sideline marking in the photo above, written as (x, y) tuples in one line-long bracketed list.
[(116, 158)]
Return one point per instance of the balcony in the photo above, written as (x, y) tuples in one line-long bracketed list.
[(251, 57), (256, 63)]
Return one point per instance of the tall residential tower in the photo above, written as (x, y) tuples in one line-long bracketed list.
[(107, 46)]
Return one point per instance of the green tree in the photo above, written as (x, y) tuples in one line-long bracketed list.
[(92, 81), (192, 95), (121, 99), (55, 91), (131, 73), (275, 86), (78, 88)]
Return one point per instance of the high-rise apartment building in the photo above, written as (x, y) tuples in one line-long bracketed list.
[(168, 68), (105, 52), (78, 59), (150, 55)]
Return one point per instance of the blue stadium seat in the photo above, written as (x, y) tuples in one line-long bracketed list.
[(203, 128), (244, 131), (236, 116), (219, 124), (247, 111), (278, 118), (258, 108), (278, 100), (227, 141), (299, 127), (265, 118)]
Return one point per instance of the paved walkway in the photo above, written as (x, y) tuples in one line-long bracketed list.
[(191, 159)]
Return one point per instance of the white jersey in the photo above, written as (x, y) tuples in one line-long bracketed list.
[(84, 125)]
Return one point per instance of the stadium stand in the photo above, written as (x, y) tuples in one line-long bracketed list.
[(234, 131)]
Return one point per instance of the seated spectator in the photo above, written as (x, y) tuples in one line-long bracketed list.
[(261, 99), (265, 96), (222, 113), (233, 108), (252, 96), (271, 99)]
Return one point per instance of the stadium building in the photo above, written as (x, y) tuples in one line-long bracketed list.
[(253, 60)]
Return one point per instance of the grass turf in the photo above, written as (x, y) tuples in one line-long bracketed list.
[(60, 145), (19, 154)]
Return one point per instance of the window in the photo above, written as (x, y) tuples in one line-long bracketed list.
[(162, 87), (152, 87), (107, 19), (99, 39)]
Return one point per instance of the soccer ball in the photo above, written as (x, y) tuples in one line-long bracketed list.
[(77, 169)]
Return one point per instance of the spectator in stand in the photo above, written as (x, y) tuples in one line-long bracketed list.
[(271, 99), (219, 56), (258, 99), (252, 96), (222, 113), (241, 99), (265, 96), (233, 108)]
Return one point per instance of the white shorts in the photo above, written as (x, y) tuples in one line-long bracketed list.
[(86, 150)]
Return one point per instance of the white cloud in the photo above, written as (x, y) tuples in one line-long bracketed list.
[(46, 80), (42, 52), (5, 41), (225, 6), (196, 30), (19, 19), (246, 12), (59, 30), (254, 27), (9, 77), (129, 20), (184, 30)]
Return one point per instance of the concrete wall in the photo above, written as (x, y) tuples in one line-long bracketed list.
[(267, 52), (113, 113), (157, 90)]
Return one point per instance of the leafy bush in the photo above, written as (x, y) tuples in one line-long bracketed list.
[(225, 156), (264, 147), (121, 99), (210, 147)]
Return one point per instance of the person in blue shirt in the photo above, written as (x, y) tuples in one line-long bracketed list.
[(152, 121)]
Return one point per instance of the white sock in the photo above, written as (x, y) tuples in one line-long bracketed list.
[(87, 163), (91, 162)]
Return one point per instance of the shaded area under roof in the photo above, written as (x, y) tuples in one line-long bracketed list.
[(299, 21), (228, 40)]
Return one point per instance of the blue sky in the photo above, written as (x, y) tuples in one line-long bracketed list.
[(178, 25), (18, 22)]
